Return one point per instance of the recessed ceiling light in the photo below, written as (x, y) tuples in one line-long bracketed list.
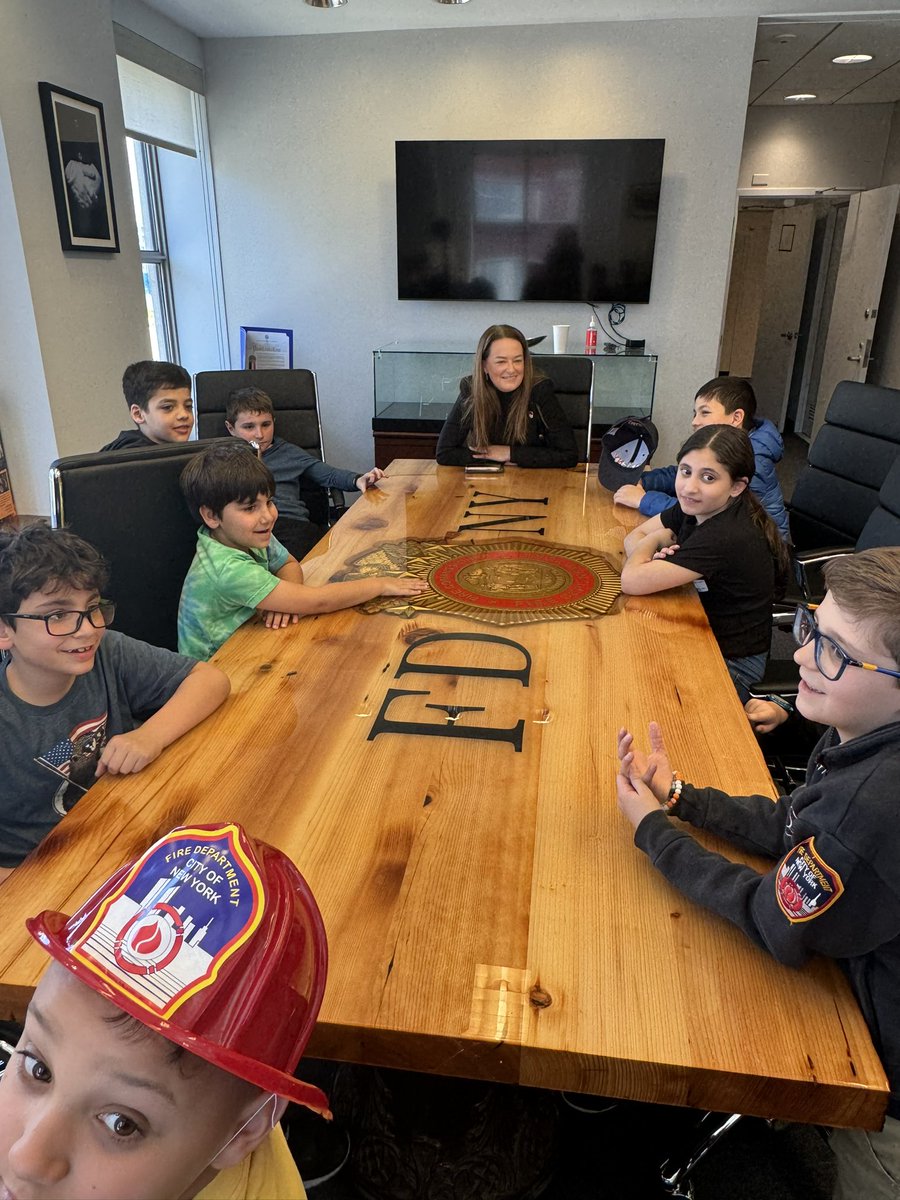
[(325, 3), (848, 59), (453, 1), (802, 96)]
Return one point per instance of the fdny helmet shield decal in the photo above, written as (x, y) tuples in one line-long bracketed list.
[(805, 885), (178, 915)]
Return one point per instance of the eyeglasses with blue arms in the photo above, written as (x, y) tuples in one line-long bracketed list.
[(832, 660), (68, 621)]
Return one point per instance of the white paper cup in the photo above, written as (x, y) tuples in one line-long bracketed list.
[(560, 338)]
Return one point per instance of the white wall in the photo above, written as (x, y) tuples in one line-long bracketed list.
[(25, 423), (87, 309), (826, 145), (303, 130)]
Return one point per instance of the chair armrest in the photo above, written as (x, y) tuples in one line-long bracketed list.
[(337, 505), (810, 564), (783, 616), (809, 557)]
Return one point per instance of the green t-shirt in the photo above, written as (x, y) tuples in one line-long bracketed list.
[(221, 591)]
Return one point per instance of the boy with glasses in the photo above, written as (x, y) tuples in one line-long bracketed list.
[(77, 701), (833, 890)]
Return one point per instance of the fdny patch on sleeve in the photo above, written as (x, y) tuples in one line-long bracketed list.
[(805, 885)]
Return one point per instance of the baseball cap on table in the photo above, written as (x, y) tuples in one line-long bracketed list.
[(213, 939), (626, 448)]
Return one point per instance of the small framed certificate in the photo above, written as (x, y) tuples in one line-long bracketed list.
[(266, 349)]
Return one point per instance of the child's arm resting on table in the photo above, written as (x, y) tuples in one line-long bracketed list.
[(291, 572), (820, 898), (293, 596), (646, 568), (198, 695)]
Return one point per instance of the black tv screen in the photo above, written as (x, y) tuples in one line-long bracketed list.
[(527, 220)]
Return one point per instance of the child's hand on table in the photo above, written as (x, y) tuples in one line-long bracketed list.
[(393, 585), (635, 798), (653, 769), (630, 494), (369, 479), (128, 753), (277, 620)]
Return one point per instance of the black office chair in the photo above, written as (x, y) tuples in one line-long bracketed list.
[(881, 528), (788, 748), (573, 382), (295, 399), (848, 462), (128, 503)]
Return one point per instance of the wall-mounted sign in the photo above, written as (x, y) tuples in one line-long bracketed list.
[(266, 349)]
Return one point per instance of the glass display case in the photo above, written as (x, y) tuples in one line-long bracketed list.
[(416, 385)]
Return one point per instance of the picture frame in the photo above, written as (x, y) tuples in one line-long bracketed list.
[(78, 153), (265, 348)]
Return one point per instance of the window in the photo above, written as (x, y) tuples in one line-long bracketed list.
[(143, 166)]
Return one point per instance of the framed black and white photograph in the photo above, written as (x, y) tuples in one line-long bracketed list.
[(79, 168)]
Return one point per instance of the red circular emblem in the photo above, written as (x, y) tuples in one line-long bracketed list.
[(514, 580)]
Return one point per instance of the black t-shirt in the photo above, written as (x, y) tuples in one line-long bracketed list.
[(737, 584)]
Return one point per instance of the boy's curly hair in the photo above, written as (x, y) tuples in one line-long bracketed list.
[(222, 473), (37, 557)]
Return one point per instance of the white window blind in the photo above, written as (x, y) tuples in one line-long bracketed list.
[(156, 109)]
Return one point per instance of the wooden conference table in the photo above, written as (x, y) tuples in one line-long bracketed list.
[(487, 913)]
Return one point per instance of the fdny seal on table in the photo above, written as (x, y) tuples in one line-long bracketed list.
[(507, 582)]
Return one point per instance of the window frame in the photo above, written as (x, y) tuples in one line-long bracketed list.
[(143, 155)]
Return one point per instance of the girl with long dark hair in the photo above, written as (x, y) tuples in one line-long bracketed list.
[(719, 537)]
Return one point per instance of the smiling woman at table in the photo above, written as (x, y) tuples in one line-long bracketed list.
[(505, 411)]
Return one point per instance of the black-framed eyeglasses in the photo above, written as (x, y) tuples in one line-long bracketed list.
[(68, 621), (832, 660)]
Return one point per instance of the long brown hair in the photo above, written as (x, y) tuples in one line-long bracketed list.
[(483, 405), (734, 453)]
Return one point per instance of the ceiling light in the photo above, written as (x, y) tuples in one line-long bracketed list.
[(844, 60), (453, 1), (802, 96), (325, 3)]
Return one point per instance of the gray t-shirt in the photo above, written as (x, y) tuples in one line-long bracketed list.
[(48, 755)]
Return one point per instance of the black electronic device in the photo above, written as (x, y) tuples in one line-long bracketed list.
[(549, 221)]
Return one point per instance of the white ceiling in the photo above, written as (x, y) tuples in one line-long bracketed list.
[(272, 18), (796, 57)]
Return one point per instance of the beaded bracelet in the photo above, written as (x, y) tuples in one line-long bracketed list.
[(674, 792)]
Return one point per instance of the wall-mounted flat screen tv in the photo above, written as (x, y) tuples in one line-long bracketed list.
[(528, 220)]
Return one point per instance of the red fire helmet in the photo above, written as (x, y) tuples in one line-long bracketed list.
[(213, 939)]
